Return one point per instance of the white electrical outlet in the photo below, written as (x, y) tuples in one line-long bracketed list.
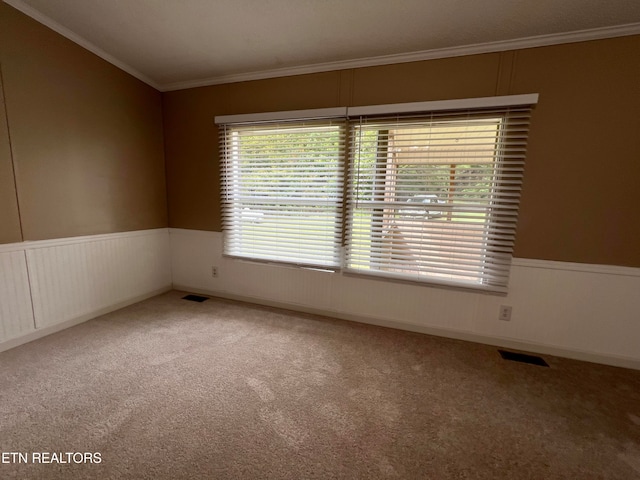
[(505, 313), (214, 272)]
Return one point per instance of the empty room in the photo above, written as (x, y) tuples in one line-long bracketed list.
[(276, 239)]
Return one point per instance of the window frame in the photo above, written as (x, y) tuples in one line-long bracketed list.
[(392, 229), (345, 222), (241, 190)]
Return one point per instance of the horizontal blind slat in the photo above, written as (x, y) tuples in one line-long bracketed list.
[(282, 191), (431, 196), (436, 196)]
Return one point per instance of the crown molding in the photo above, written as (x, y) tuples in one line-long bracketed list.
[(459, 51), (65, 32), (478, 48)]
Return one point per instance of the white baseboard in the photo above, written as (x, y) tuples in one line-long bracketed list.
[(581, 311), (43, 332), (586, 312), (616, 361), (48, 285)]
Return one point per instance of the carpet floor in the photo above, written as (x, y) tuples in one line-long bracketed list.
[(170, 389)]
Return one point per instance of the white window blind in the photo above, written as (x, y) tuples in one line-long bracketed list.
[(283, 191), (434, 197)]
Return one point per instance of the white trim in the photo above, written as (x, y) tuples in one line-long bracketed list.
[(448, 52), (515, 262), (74, 37), (12, 247), (73, 279), (576, 267), (618, 361), (192, 232), (283, 115), (579, 311), (54, 242), (433, 106), (392, 108), (43, 332)]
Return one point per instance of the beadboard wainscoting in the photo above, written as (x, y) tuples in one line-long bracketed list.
[(587, 312), (16, 314), (49, 285)]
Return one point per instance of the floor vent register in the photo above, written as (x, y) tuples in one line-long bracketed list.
[(195, 298), (523, 358)]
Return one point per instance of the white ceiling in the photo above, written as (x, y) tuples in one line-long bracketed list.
[(174, 44)]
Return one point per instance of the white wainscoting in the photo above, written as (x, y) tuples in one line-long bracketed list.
[(16, 314), (52, 284), (587, 312)]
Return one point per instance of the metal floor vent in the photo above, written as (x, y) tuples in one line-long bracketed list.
[(195, 298), (523, 358)]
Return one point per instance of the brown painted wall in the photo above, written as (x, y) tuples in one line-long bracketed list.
[(581, 199), (191, 138), (86, 137), (9, 218), (581, 195)]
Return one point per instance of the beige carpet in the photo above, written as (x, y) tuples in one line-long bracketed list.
[(171, 389)]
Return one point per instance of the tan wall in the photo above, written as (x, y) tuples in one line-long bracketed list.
[(191, 138), (86, 138), (9, 217), (581, 199), (581, 191)]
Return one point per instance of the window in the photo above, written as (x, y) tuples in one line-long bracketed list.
[(282, 191), (435, 197), (432, 189)]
